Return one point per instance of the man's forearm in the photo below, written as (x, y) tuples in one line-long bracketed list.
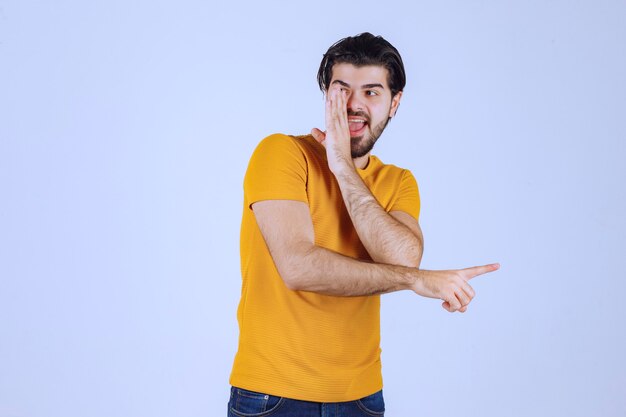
[(386, 239), (316, 269)]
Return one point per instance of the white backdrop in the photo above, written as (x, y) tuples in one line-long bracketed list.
[(125, 130)]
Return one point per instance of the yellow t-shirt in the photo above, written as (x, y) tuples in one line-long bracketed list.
[(300, 344)]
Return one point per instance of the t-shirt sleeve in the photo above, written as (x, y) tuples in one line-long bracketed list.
[(277, 171), (408, 199)]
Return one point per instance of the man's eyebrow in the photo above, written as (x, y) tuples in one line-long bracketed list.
[(364, 86), (373, 86), (342, 83)]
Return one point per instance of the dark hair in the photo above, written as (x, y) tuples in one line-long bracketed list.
[(360, 50)]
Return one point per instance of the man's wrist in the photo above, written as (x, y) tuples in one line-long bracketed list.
[(406, 277), (342, 166), (413, 278)]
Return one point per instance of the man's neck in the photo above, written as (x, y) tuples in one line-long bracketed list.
[(362, 161)]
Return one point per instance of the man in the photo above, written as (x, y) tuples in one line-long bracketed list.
[(326, 229)]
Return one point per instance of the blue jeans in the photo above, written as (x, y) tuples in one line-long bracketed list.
[(244, 403)]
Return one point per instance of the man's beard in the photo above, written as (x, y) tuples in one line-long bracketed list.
[(362, 145)]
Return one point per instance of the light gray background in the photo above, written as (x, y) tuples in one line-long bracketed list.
[(125, 130)]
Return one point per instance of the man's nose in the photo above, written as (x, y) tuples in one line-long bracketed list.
[(354, 103)]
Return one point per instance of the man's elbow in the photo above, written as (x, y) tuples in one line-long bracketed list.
[(293, 278), (412, 261), (409, 260), (293, 285), (293, 269), (413, 257)]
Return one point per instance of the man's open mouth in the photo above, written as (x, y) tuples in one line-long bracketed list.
[(357, 125)]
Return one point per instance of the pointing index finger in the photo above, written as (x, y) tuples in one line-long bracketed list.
[(480, 270)]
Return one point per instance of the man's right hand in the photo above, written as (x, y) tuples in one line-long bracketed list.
[(451, 286), (336, 138)]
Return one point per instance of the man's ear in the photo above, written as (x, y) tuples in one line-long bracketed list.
[(395, 102)]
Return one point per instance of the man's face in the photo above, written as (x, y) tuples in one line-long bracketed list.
[(369, 103)]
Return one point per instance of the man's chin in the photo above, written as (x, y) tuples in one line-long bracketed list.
[(358, 148), (359, 152)]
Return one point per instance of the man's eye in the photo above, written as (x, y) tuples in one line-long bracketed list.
[(371, 93)]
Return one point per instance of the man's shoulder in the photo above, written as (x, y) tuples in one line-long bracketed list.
[(304, 146), (375, 164), (282, 139)]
